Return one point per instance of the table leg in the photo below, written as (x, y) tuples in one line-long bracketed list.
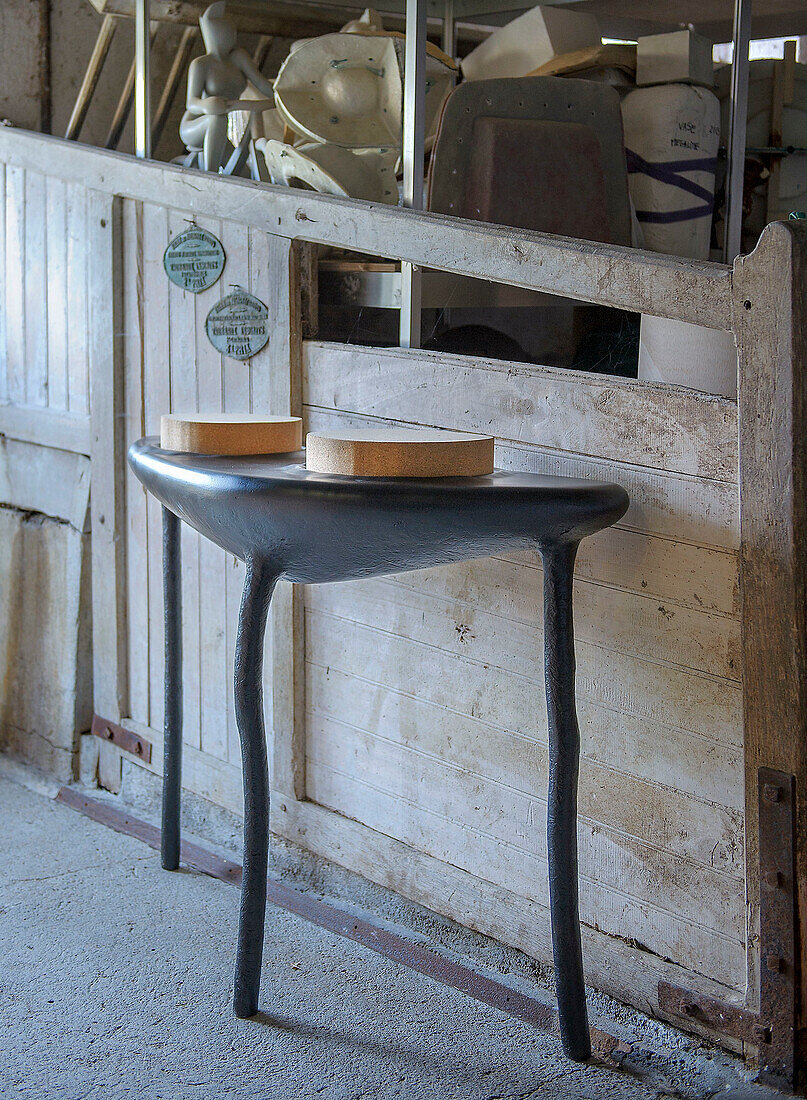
[(258, 588), (564, 756), (172, 729)]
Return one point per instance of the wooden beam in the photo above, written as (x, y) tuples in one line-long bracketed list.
[(770, 314), (91, 77), (46, 427), (624, 278), (110, 666), (287, 612)]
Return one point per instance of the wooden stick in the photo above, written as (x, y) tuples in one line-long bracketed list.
[(91, 77)]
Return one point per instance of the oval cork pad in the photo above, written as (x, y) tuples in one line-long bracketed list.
[(399, 452), (228, 434)]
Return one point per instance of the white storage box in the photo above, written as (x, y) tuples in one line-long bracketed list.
[(680, 57)]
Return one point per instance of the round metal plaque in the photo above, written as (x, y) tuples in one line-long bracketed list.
[(194, 259), (238, 325)]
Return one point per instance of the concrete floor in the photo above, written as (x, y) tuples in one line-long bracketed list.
[(116, 982)]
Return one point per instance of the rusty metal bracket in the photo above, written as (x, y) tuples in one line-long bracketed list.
[(777, 925), (124, 739), (731, 1020), (772, 1029)]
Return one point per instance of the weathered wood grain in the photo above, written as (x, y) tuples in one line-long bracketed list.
[(137, 588), (78, 273), (36, 290), (646, 282), (676, 506), (46, 427), (621, 965), (3, 259), (640, 750), (157, 398), (498, 833), (56, 291), (110, 663), (669, 428), (770, 314), (15, 285), (287, 616), (434, 604)]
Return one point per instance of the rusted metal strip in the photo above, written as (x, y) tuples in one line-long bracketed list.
[(773, 1029), (738, 1023), (777, 926), (123, 738), (416, 956)]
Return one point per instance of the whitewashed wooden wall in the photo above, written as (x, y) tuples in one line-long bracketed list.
[(170, 365), (425, 717), (424, 731), (44, 360)]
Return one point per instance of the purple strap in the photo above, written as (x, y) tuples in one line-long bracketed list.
[(672, 173)]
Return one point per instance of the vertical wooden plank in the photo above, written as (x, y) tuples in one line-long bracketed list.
[(257, 400), (284, 352), (137, 586), (15, 284), (36, 293), (3, 349), (770, 318), (57, 291), (214, 674), (78, 275), (108, 458), (261, 366), (184, 399), (157, 390)]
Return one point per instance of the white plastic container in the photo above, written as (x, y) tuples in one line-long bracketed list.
[(673, 133)]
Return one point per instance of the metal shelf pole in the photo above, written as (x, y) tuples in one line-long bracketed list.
[(735, 169), (413, 159), (142, 104)]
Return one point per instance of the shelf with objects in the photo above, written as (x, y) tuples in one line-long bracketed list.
[(406, 745), (683, 126)]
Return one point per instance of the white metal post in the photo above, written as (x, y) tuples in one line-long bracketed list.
[(413, 157), (735, 169), (142, 104), (449, 29)]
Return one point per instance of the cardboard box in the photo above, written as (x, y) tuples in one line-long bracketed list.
[(680, 57)]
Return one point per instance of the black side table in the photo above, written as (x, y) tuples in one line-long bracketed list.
[(285, 521)]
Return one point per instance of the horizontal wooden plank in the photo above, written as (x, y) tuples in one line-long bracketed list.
[(668, 428), (665, 934), (507, 625), (46, 427), (462, 809), (45, 479), (687, 574), (506, 796), (701, 817), (646, 282), (628, 970), (623, 686), (675, 506)]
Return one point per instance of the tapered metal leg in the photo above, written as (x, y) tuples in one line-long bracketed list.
[(172, 730), (258, 587), (564, 757)]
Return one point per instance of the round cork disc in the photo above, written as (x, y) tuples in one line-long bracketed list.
[(399, 452), (228, 434)]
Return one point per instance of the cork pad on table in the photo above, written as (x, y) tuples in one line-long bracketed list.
[(399, 452), (230, 434)]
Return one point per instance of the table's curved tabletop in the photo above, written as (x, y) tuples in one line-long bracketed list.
[(325, 527)]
